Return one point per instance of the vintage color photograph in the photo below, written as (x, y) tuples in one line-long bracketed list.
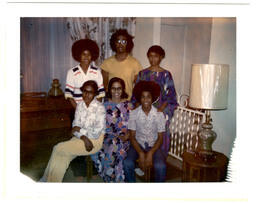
[(138, 100), (192, 61)]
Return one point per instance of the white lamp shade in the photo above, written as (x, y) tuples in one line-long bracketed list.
[(209, 86)]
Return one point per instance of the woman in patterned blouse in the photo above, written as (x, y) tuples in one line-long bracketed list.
[(167, 100), (88, 130), (109, 160)]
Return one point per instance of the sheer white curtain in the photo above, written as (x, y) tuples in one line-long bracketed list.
[(100, 30)]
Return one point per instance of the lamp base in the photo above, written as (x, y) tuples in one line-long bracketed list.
[(206, 156), (206, 137)]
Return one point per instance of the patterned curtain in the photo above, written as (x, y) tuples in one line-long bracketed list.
[(100, 30)]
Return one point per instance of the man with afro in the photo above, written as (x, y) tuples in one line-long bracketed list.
[(122, 64)]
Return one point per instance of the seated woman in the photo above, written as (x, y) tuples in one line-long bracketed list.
[(146, 126), (88, 130), (109, 160), (167, 100)]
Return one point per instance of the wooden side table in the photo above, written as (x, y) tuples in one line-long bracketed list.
[(196, 169), (44, 113)]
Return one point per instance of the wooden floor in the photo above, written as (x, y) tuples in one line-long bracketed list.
[(36, 148)]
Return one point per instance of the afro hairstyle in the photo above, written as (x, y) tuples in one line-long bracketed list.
[(85, 44), (124, 33), (148, 86)]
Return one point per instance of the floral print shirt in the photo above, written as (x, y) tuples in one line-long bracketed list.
[(91, 120), (109, 160), (117, 116)]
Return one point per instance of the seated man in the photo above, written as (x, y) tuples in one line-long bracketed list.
[(146, 126), (88, 130)]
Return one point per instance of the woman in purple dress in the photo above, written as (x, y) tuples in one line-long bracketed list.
[(109, 160), (167, 101)]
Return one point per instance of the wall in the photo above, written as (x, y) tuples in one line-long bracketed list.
[(144, 34), (35, 46), (186, 41), (223, 50), (45, 53)]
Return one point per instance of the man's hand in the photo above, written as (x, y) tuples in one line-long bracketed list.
[(87, 143), (142, 160), (149, 159)]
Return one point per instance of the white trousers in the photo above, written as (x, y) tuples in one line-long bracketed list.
[(63, 153)]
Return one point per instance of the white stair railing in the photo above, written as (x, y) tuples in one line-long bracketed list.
[(184, 127)]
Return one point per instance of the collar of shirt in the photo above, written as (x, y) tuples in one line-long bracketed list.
[(114, 58), (153, 112), (94, 103), (82, 69)]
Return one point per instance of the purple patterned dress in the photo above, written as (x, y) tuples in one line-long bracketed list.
[(109, 160), (167, 94)]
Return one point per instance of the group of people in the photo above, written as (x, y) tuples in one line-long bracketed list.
[(122, 112)]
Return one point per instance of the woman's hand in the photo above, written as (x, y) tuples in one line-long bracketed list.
[(72, 102), (75, 129), (124, 137), (87, 143), (162, 107), (160, 110), (137, 104)]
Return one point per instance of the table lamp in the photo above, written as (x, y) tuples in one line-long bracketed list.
[(208, 91)]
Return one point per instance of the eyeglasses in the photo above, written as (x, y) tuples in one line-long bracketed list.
[(88, 92), (121, 41), (116, 89)]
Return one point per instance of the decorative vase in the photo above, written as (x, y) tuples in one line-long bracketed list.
[(55, 90)]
